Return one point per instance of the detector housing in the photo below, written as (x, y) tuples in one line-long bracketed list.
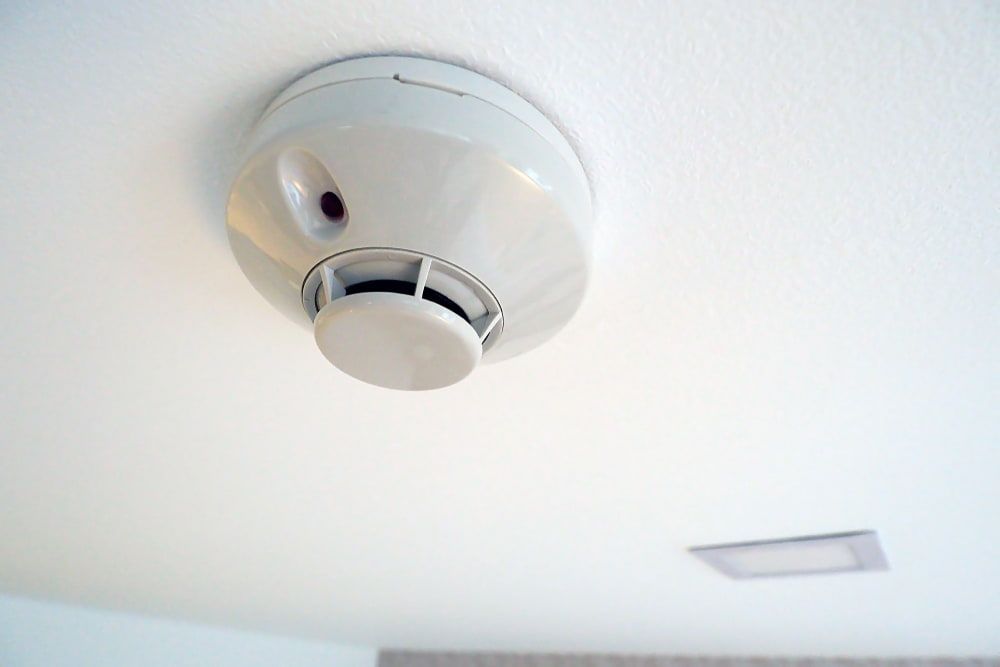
[(419, 217)]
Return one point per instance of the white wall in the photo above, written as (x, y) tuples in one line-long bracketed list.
[(40, 634)]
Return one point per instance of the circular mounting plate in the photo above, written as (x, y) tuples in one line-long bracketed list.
[(397, 341)]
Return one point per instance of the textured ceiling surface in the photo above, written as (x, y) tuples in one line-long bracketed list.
[(791, 328)]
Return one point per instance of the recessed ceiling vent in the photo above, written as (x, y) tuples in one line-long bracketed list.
[(835, 553), (419, 217)]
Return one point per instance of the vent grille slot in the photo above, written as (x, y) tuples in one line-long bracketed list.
[(403, 287)]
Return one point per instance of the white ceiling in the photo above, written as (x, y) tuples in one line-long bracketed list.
[(792, 328)]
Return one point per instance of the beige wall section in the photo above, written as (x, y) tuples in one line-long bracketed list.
[(35, 633), (407, 659)]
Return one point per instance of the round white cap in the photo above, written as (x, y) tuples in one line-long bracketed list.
[(397, 341)]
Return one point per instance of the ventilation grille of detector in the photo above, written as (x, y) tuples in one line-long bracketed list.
[(405, 272)]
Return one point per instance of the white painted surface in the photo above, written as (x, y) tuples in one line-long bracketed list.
[(791, 328), (40, 634)]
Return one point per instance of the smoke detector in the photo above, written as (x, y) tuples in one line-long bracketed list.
[(419, 217)]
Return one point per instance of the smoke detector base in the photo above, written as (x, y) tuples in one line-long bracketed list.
[(420, 217)]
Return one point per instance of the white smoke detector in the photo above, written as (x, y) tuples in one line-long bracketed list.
[(421, 218)]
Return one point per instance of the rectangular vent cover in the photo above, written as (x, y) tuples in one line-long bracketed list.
[(813, 554)]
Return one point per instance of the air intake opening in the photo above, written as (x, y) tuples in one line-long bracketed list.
[(397, 272), (404, 287)]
